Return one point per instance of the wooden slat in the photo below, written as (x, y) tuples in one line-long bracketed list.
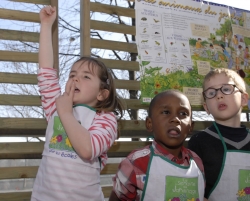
[(19, 124), (15, 196), (34, 127), (33, 58), (33, 150), (32, 100), (25, 196), (106, 191), (113, 45), (122, 65), (18, 78), (27, 100), (31, 171), (18, 56), (19, 15), (115, 10), (35, 133), (112, 27), (18, 172), (19, 35), (21, 150), (110, 168), (22, 123), (42, 2), (127, 84)]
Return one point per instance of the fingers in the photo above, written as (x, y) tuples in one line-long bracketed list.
[(72, 90), (68, 86), (49, 10)]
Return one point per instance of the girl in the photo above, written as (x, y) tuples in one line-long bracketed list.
[(78, 137)]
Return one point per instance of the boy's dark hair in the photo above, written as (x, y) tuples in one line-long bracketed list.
[(154, 100), (113, 102)]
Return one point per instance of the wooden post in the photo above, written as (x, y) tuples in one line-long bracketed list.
[(85, 28), (55, 37)]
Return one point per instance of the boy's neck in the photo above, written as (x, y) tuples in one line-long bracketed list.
[(229, 123), (174, 151)]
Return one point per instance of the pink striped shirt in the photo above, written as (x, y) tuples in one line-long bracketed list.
[(103, 131)]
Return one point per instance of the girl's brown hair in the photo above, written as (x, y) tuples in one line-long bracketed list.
[(113, 102)]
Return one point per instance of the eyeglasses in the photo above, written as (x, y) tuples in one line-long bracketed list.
[(226, 89)]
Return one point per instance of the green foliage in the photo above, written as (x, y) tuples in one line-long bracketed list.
[(192, 41), (247, 41)]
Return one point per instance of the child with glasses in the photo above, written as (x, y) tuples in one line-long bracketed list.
[(224, 147)]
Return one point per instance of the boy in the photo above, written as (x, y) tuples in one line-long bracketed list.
[(224, 147), (165, 170)]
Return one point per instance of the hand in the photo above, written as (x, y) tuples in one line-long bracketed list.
[(64, 102), (48, 15)]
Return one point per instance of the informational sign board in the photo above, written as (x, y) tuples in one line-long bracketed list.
[(180, 41)]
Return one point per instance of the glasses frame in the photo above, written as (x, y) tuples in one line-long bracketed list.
[(216, 91)]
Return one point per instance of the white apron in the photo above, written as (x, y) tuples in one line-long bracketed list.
[(62, 174), (167, 180), (234, 180)]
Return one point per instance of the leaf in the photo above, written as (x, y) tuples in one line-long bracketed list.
[(144, 63)]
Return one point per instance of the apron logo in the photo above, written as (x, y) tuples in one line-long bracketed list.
[(180, 188), (244, 185)]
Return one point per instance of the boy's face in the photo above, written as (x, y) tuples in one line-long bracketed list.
[(170, 121), (86, 84), (226, 109)]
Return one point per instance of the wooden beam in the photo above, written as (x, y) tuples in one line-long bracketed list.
[(31, 171), (18, 172), (24, 100), (19, 15), (18, 78), (6, 34), (25, 196), (40, 124), (106, 191), (112, 10), (16, 196), (21, 78), (85, 49), (35, 127), (33, 150), (11, 56), (42, 2), (122, 65), (112, 27), (32, 100), (113, 45), (14, 56), (55, 40)]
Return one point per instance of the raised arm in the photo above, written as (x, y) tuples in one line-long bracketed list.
[(47, 18)]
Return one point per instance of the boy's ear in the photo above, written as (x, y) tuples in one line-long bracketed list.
[(205, 107), (148, 123), (103, 94), (244, 99), (192, 127)]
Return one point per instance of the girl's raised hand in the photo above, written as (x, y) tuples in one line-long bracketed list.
[(64, 103), (48, 15)]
